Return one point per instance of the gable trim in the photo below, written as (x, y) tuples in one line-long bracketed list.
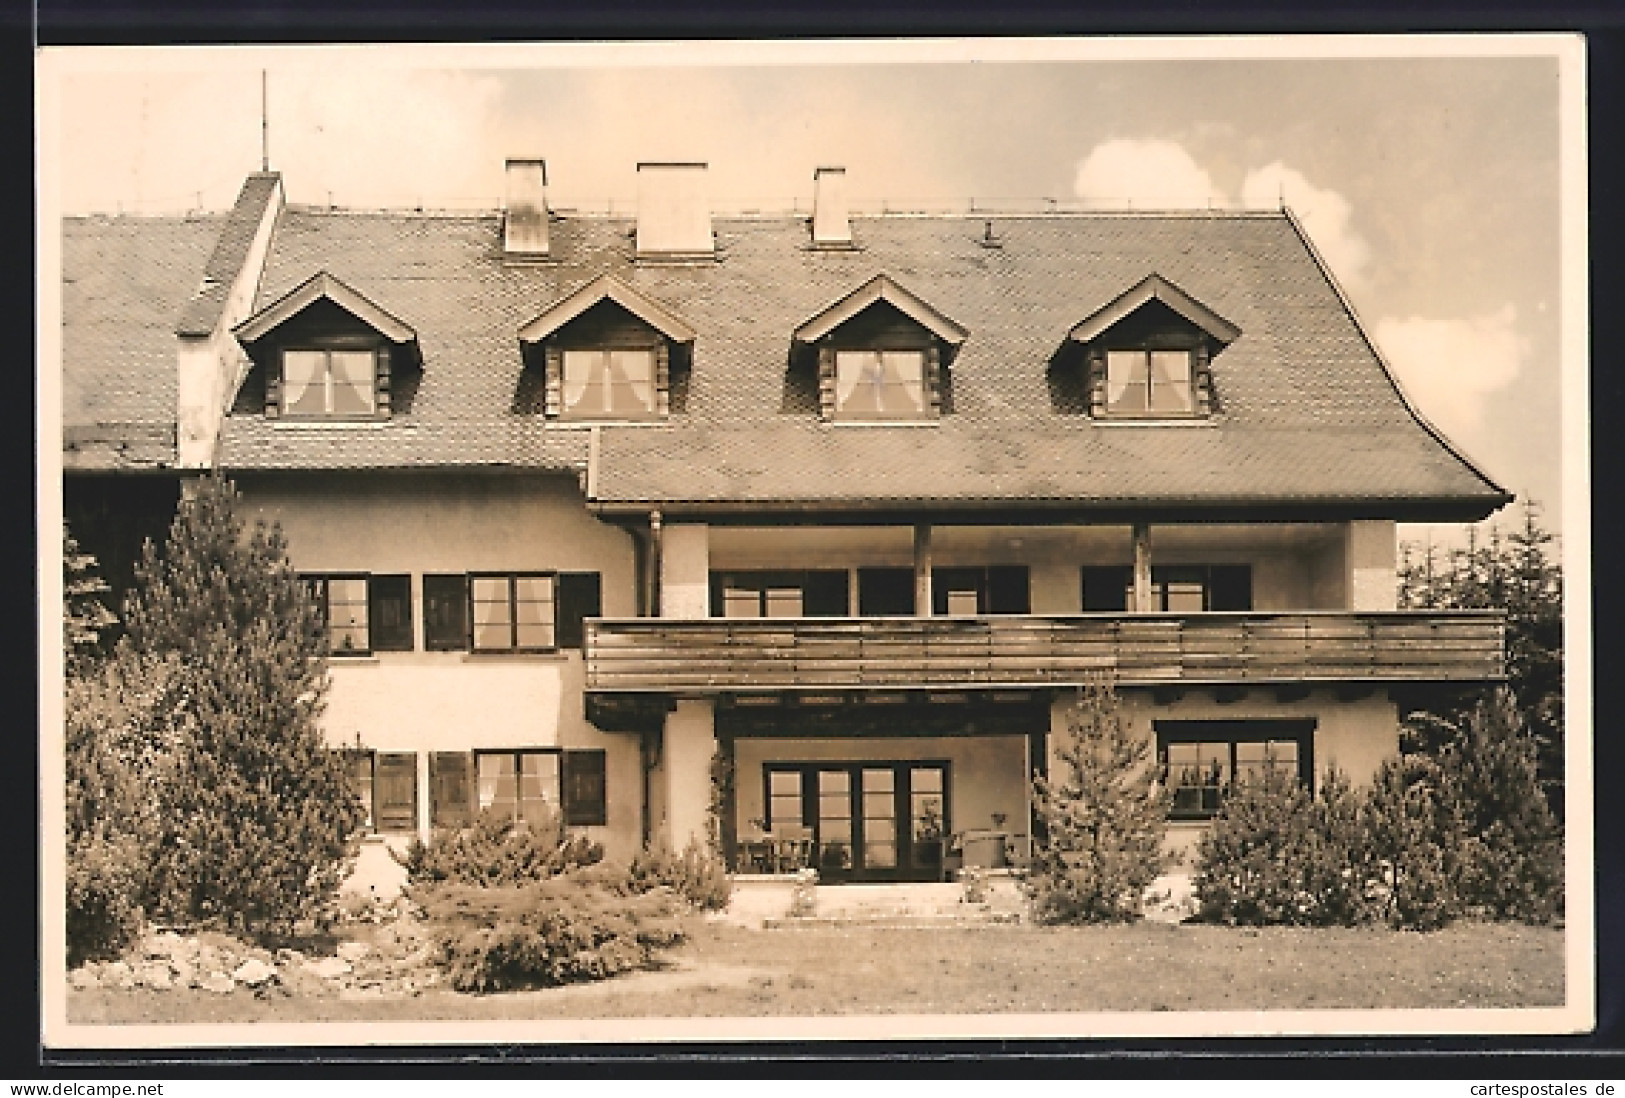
[(1155, 288), (318, 286), (877, 289), (607, 287)]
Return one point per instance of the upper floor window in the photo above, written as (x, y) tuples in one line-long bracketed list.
[(880, 384), (509, 612), (770, 594), (1175, 588), (1149, 382), (329, 383), (362, 614), (609, 383), (512, 613)]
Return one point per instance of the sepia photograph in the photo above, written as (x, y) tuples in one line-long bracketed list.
[(740, 541)]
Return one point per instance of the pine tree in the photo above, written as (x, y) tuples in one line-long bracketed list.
[(84, 614), (1102, 816), (258, 812)]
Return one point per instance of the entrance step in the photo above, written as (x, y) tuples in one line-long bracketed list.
[(899, 905)]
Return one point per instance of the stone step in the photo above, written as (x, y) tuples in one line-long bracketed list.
[(895, 921)]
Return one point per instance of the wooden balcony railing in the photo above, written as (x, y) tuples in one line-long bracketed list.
[(714, 655)]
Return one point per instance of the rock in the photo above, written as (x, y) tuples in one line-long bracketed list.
[(154, 975), (185, 972), (328, 968), (288, 957), (217, 982), (353, 951), (83, 977), (253, 972), (117, 974)]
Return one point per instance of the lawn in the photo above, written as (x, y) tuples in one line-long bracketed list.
[(727, 971)]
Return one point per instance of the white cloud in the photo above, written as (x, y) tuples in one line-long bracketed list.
[(1451, 368), (1325, 215), (1149, 175)]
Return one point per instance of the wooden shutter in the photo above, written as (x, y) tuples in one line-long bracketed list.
[(451, 788), (1230, 587), (886, 592), (826, 594), (389, 613), (1105, 587), (585, 800), (579, 596), (1008, 591), (395, 791), (445, 613)]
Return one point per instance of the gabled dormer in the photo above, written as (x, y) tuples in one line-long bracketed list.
[(1148, 354), (327, 352), (881, 354), (606, 352)]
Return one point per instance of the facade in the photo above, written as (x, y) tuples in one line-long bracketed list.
[(832, 514)]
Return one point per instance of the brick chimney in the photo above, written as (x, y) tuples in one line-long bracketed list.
[(830, 225), (524, 221), (674, 213)]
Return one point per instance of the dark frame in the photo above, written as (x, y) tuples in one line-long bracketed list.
[(326, 345), (512, 579), (317, 584), (1300, 730)]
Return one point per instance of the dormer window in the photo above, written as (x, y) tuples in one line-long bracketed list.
[(880, 384), (613, 384), (881, 355), (1147, 354), (329, 383)]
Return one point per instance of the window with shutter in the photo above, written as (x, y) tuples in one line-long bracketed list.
[(445, 613), (585, 800), (395, 791), (451, 788), (580, 596)]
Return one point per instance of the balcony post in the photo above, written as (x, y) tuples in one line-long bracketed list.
[(1142, 567), (922, 569)]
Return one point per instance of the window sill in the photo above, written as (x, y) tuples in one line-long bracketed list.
[(515, 657), (347, 661), (1154, 421), (284, 424), (583, 424), (882, 422)]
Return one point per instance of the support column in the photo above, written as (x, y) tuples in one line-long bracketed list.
[(425, 828), (685, 570), (922, 569), (689, 742), (1369, 575), (1142, 568)]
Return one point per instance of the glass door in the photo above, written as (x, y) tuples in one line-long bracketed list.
[(834, 834)]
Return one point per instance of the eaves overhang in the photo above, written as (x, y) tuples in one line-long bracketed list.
[(878, 289), (317, 287), (1155, 288), (607, 288)]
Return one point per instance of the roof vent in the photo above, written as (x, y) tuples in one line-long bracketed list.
[(830, 224), (524, 223), (674, 216)]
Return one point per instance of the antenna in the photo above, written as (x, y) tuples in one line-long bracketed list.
[(265, 126)]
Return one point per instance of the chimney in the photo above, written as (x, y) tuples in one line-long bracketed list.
[(830, 226), (674, 216), (524, 221)]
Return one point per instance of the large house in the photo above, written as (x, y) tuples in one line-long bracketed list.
[(829, 514)]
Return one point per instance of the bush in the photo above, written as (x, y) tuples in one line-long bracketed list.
[(500, 851), (570, 928), (1102, 815), (698, 874), (1276, 854)]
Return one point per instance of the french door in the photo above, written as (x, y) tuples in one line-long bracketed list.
[(870, 821)]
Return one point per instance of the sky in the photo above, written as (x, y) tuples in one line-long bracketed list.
[(1431, 185)]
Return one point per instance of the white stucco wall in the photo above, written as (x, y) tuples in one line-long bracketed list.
[(1370, 559), (685, 570)]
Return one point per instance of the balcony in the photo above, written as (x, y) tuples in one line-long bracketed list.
[(698, 657)]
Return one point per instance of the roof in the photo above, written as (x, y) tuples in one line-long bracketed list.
[(231, 249), (124, 280), (881, 288), (1157, 288), (1305, 411), (316, 288), (610, 288)]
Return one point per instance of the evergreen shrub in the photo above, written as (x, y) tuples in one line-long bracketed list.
[(498, 851), (698, 874)]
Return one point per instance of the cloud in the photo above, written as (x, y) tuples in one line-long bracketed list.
[(1325, 215), (1152, 175), (1450, 368)]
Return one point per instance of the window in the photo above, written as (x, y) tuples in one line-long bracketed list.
[(1149, 383), (966, 592), (1191, 588), (609, 383), (886, 592), (512, 613), (540, 785), (329, 383), (363, 613), (880, 384), (1203, 759), (794, 594), (395, 791)]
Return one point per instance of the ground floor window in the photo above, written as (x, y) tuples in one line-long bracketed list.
[(871, 819), (536, 785), (1203, 759)]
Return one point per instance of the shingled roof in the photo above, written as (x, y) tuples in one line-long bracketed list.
[(1305, 412), (124, 281)]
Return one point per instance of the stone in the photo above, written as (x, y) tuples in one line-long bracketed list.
[(217, 982), (83, 977), (353, 951), (253, 972), (154, 975), (328, 968), (117, 974)]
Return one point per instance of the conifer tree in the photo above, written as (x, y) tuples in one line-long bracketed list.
[(1102, 815), (257, 814), (84, 614)]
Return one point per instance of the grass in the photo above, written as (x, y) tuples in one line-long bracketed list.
[(725, 971)]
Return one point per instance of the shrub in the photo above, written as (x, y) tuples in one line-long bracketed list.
[(1407, 838), (1276, 854), (698, 874), (1102, 815), (570, 928), (500, 851)]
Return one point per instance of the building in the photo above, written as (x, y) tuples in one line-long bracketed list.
[(851, 504)]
